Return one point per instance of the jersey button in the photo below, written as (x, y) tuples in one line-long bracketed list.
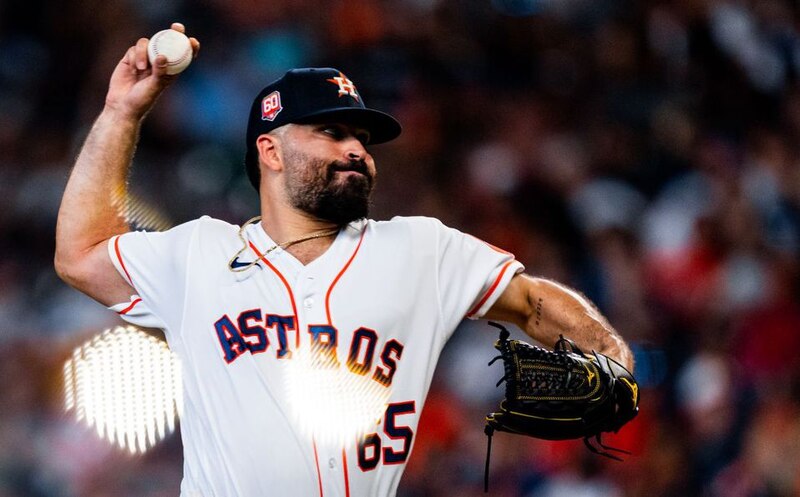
[(307, 303), (332, 463)]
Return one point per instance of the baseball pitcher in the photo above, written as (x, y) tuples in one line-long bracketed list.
[(309, 335)]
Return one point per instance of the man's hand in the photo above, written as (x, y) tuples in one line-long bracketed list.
[(91, 210), (136, 84)]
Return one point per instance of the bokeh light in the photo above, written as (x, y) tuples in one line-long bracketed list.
[(125, 384)]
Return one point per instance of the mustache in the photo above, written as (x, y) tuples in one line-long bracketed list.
[(359, 166)]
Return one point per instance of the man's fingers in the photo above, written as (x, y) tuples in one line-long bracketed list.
[(195, 46), (130, 58), (177, 26), (141, 54), (160, 66)]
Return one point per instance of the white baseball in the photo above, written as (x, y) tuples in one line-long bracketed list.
[(175, 46)]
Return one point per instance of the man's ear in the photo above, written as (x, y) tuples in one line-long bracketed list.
[(268, 152)]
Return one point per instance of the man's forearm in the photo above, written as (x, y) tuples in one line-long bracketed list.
[(92, 206), (556, 309)]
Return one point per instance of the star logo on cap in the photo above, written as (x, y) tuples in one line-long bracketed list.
[(346, 87)]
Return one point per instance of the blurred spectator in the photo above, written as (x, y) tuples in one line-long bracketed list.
[(648, 153)]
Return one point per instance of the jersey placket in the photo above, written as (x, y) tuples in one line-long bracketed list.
[(310, 287)]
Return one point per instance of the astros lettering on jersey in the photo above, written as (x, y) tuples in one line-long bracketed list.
[(269, 354)]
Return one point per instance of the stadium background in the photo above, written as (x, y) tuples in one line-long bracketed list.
[(646, 153)]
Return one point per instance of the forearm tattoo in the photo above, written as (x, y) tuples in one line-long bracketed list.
[(539, 305)]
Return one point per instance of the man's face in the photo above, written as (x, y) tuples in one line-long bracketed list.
[(329, 173)]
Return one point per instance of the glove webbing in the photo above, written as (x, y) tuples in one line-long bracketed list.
[(561, 345)]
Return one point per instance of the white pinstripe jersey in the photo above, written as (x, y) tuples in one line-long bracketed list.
[(379, 305)]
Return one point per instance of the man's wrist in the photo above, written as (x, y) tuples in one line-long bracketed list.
[(121, 117)]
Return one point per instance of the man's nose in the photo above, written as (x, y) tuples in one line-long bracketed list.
[(355, 150)]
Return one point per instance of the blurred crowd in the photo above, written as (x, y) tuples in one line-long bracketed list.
[(645, 153)]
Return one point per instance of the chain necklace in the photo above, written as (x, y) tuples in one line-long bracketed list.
[(284, 245)]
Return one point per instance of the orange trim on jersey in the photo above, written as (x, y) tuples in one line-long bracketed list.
[(262, 257), (491, 289), (121, 262), (336, 280), (346, 477), (127, 309), (316, 461)]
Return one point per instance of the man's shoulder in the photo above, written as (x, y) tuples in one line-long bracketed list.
[(203, 228), (205, 223), (407, 222), (210, 224), (414, 229)]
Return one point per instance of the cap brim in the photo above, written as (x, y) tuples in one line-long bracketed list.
[(381, 126)]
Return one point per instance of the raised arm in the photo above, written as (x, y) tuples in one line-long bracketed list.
[(545, 309), (90, 212)]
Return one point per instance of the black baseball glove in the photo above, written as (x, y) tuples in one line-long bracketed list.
[(561, 394)]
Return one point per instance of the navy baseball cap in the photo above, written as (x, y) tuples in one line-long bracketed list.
[(312, 95)]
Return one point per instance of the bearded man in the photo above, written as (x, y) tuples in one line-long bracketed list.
[(308, 336)]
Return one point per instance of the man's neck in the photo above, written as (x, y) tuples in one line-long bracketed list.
[(300, 234)]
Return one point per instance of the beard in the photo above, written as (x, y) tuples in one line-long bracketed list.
[(315, 187)]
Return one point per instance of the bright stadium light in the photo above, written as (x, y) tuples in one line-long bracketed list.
[(125, 384), (331, 403)]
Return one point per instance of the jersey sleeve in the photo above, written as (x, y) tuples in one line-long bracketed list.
[(471, 274), (154, 264)]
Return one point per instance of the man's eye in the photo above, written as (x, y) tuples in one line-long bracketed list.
[(363, 137), (339, 133), (332, 131)]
